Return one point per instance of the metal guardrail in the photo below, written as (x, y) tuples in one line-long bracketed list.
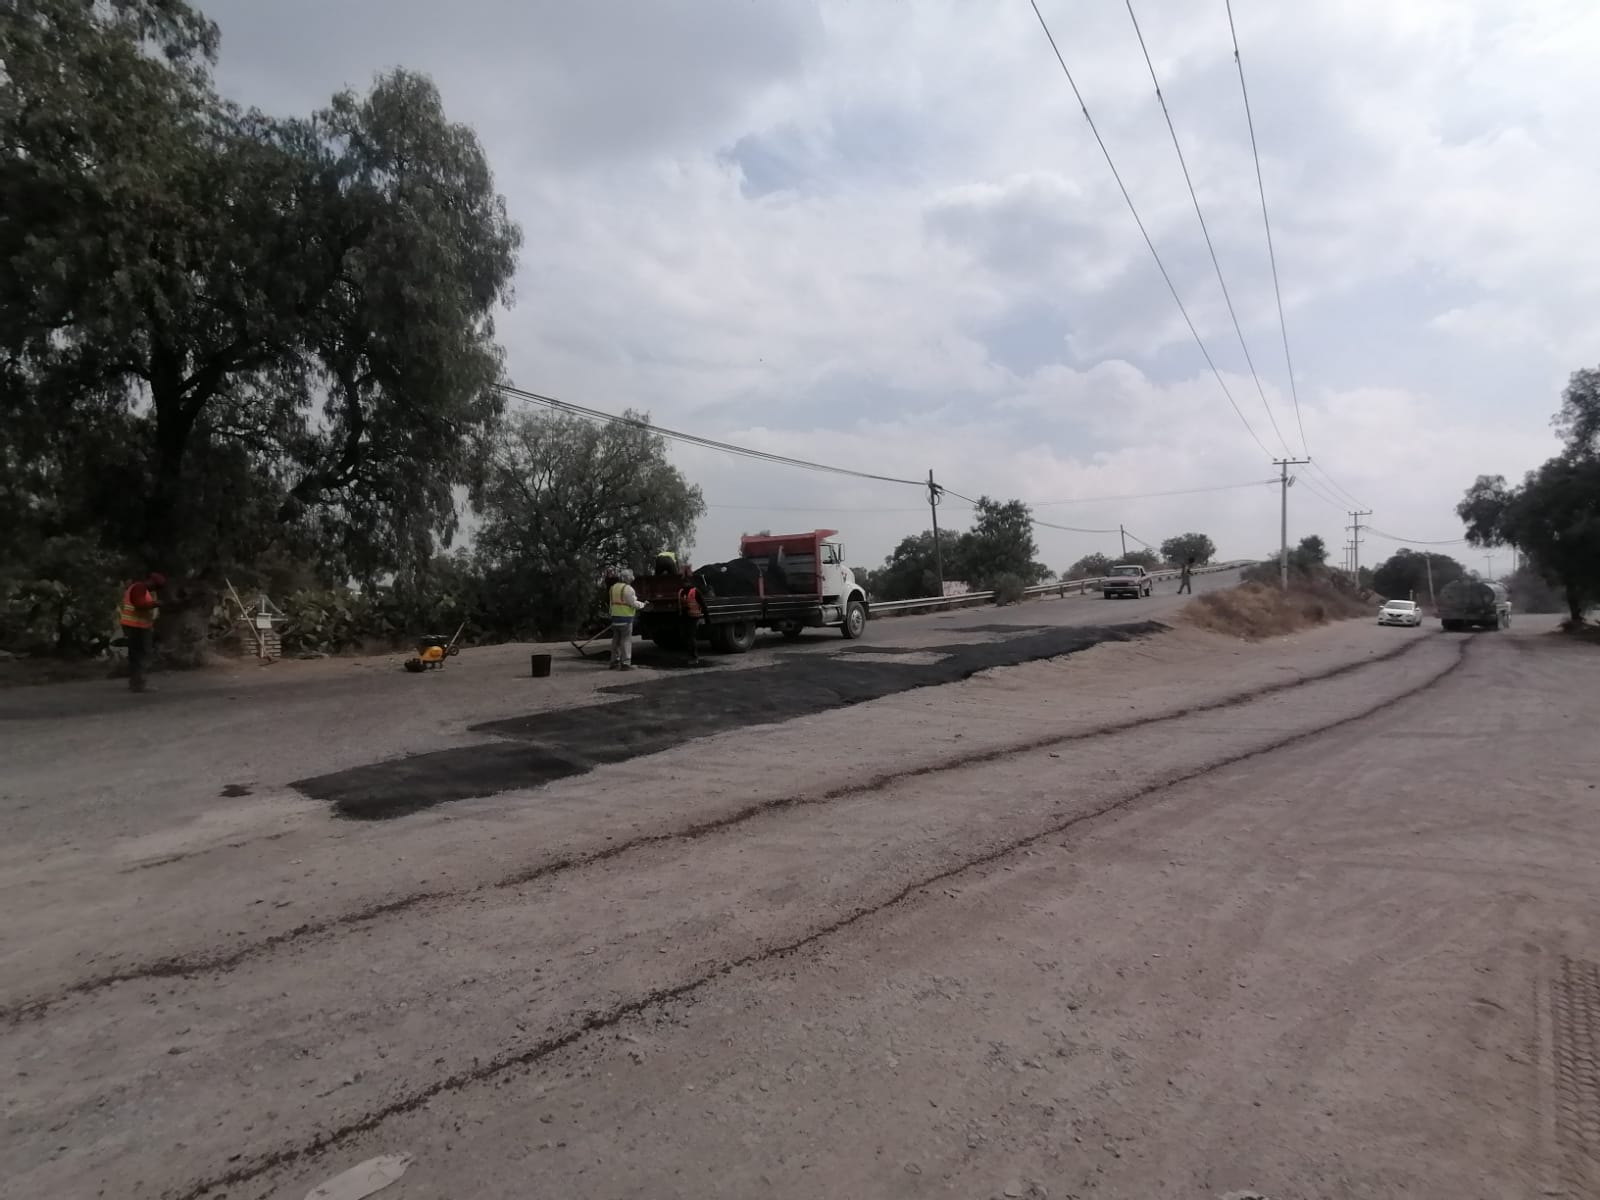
[(1061, 588)]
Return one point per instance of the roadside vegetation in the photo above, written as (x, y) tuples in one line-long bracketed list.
[(1260, 607), (1256, 610), (1553, 515)]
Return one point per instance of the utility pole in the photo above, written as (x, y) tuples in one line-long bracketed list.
[(1355, 543), (1283, 465), (1488, 562), (1124, 535), (935, 492), (1427, 559)]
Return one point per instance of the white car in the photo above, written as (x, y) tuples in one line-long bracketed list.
[(1126, 579), (1400, 612)]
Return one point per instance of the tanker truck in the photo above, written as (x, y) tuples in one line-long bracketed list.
[(1474, 604)]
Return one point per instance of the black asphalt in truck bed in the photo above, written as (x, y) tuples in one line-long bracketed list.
[(662, 713)]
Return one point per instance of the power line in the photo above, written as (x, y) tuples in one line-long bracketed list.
[(1138, 539), (1221, 487), (1266, 223), (691, 439), (1416, 541), (808, 508), (1068, 528), (1317, 490), (1205, 230), (1139, 221), (1338, 487)]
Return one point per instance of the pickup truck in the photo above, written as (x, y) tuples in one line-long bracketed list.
[(1127, 579), (790, 582)]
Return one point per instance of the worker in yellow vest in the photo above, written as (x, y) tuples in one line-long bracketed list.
[(137, 615), (624, 603)]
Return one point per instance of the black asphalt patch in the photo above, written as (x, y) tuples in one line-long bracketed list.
[(664, 713)]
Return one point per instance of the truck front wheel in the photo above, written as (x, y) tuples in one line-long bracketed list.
[(855, 620)]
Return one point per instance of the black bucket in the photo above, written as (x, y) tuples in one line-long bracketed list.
[(541, 666)]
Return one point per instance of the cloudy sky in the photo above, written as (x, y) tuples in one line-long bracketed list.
[(878, 233)]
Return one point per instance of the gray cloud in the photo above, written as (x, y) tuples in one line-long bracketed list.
[(880, 233), (554, 81)]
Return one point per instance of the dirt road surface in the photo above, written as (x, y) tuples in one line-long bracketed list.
[(1016, 906)]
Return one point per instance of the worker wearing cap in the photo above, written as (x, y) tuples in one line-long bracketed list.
[(137, 616), (666, 563), (624, 602)]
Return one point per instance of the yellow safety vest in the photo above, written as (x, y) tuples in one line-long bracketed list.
[(134, 617), (620, 607)]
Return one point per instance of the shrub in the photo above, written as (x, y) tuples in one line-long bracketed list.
[(1008, 588)]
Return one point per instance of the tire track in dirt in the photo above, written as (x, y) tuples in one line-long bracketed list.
[(1575, 1001), (599, 1020), (191, 965)]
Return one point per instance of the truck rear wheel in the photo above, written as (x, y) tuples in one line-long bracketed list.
[(791, 630), (738, 637), (855, 620)]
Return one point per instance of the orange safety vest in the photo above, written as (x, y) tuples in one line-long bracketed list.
[(691, 602), (134, 617)]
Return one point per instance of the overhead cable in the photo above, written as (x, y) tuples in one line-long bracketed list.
[(1205, 230), (1221, 487), (1139, 221), (1415, 541), (1272, 255), (691, 439)]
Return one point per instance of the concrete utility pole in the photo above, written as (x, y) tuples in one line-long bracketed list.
[(1123, 533), (1283, 465), (1355, 543), (934, 494), (1427, 560), (1488, 562)]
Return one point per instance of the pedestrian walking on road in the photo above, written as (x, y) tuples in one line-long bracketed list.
[(1185, 577), (137, 616), (624, 605)]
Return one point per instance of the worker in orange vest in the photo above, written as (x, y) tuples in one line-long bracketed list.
[(690, 611), (137, 616)]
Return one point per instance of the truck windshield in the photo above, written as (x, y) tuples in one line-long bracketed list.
[(1124, 570)]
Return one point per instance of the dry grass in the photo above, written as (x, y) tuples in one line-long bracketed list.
[(1254, 610)]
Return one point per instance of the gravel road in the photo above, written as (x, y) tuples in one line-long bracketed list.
[(1165, 915)]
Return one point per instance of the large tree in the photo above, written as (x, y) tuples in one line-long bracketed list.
[(999, 543), (1195, 548), (562, 498), (1578, 420), (1405, 574), (1090, 566), (221, 330), (1553, 518), (909, 572)]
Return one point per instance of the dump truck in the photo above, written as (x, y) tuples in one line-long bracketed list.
[(1473, 604), (789, 582)]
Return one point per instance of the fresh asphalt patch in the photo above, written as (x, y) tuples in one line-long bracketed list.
[(664, 713)]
